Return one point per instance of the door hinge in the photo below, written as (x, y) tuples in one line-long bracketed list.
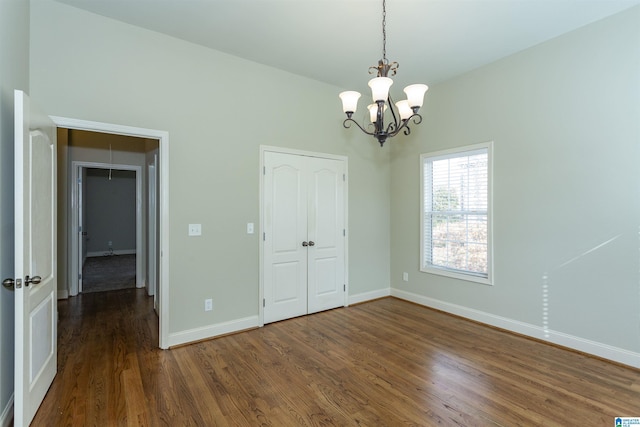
[(80, 229), (344, 232), (264, 237), (344, 177), (344, 288), (79, 276), (263, 302), (264, 170)]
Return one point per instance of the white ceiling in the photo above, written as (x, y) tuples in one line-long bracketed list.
[(336, 41)]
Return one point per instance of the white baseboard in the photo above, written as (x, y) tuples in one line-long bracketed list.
[(368, 296), (605, 351), (6, 418), (63, 294), (212, 331), (115, 252)]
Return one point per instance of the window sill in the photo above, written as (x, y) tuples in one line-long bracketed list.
[(461, 276)]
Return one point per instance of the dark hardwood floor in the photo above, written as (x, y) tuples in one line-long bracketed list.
[(382, 363)]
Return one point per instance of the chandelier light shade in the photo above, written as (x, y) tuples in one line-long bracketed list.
[(349, 101), (380, 88), (403, 112)]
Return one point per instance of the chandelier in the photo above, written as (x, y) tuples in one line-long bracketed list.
[(406, 109)]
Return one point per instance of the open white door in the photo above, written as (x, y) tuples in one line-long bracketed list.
[(35, 258)]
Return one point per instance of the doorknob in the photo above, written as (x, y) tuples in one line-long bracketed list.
[(305, 244), (312, 243), (35, 280), (8, 283)]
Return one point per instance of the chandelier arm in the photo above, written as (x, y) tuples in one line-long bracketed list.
[(347, 126), (417, 119), (393, 114)]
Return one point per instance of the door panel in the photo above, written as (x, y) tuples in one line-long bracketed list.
[(285, 258), (35, 255), (326, 275)]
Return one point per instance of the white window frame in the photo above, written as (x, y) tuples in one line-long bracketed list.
[(443, 271)]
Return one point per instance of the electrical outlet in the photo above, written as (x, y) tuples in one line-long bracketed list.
[(405, 276), (208, 304), (110, 243)]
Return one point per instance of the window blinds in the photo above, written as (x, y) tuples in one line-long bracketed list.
[(456, 212)]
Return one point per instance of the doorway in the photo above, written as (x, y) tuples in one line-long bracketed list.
[(108, 218), (155, 153), (304, 244)]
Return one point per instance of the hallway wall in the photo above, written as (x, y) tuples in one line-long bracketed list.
[(110, 211)]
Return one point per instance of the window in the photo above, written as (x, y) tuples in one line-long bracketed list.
[(456, 213)]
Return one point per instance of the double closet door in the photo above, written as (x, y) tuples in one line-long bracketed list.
[(304, 235)]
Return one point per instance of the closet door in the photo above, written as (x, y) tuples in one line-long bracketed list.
[(304, 221), (285, 227)]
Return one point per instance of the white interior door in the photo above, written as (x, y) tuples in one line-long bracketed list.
[(285, 219), (35, 258), (304, 242), (326, 253)]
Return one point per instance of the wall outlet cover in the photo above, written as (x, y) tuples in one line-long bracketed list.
[(195, 229)]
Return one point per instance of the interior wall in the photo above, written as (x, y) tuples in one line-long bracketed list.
[(565, 120), (110, 211), (116, 73), (14, 74)]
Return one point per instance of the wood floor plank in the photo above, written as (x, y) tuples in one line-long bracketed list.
[(383, 363)]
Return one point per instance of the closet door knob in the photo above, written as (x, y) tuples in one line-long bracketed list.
[(305, 244), (29, 280), (312, 243)]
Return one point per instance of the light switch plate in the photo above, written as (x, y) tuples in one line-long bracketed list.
[(195, 229), (249, 228)]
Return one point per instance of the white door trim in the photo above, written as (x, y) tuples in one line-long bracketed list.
[(163, 138), (265, 148), (152, 230), (74, 265)]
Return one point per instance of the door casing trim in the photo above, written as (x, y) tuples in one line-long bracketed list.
[(163, 142)]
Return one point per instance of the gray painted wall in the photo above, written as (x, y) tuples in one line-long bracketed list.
[(144, 79), (110, 211), (565, 120), (14, 74)]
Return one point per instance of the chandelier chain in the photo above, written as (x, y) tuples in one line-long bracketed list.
[(384, 30)]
